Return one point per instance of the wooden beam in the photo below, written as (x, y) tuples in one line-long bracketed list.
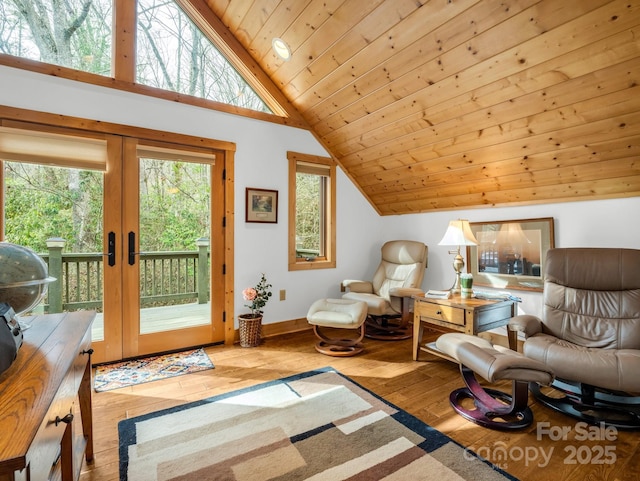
[(124, 40)]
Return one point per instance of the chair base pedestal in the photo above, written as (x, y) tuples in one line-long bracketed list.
[(337, 350), (493, 409), (339, 347), (387, 329), (592, 406)]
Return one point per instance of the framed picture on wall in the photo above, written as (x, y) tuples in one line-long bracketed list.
[(510, 254), (261, 205)]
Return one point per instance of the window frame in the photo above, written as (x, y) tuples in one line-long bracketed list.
[(328, 197), (123, 67)]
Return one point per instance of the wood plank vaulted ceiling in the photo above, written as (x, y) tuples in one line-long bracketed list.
[(450, 104)]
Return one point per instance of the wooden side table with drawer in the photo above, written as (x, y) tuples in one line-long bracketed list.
[(470, 316), (45, 401)]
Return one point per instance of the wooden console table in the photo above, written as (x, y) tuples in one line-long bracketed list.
[(45, 401), (470, 316)]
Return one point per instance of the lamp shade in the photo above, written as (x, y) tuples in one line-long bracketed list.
[(458, 234)]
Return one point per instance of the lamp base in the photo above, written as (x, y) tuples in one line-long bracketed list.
[(458, 265)]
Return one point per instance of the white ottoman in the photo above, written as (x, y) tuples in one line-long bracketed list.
[(338, 314)]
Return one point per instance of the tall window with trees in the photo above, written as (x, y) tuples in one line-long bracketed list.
[(312, 200), (173, 54)]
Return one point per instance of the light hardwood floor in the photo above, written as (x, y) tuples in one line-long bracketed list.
[(386, 368)]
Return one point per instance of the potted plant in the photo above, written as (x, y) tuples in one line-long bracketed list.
[(250, 325)]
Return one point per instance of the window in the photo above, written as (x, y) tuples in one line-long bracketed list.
[(171, 52), (312, 212), (75, 35)]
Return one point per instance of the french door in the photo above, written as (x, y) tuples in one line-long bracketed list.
[(155, 210), (171, 269)]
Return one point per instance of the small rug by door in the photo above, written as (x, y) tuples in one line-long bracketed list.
[(318, 425), (138, 371)]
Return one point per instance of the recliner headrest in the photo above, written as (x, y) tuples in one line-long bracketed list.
[(594, 268), (404, 252)]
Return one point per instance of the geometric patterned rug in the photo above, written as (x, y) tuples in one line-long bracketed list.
[(138, 371), (319, 425)]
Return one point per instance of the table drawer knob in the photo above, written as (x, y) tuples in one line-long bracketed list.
[(439, 313), (66, 419)]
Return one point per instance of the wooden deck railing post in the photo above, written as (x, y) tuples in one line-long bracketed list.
[(203, 270), (55, 246)]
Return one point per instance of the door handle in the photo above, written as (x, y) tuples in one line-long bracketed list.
[(111, 249), (132, 248)]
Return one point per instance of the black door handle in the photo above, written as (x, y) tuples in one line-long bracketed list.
[(111, 249), (132, 248)]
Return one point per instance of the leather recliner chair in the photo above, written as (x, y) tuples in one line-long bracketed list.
[(389, 294), (589, 334)]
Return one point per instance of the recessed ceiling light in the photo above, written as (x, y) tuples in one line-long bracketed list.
[(281, 48)]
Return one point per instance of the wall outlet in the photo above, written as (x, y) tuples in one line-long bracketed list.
[(283, 294)]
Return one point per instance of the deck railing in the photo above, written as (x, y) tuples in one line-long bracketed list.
[(166, 278)]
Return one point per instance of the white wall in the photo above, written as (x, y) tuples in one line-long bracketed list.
[(261, 162), (604, 223)]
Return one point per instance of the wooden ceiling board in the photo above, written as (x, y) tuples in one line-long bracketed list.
[(364, 155), (539, 80), (274, 26), (525, 168), (400, 68), (455, 72), (363, 47), (234, 13), (448, 104), (449, 162), (587, 101), (319, 55)]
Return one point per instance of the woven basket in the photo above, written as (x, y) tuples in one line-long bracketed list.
[(250, 330)]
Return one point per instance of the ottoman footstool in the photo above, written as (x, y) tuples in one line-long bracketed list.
[(326, 314), (493, 409)]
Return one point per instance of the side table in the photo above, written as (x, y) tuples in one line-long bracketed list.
[(468, 315)]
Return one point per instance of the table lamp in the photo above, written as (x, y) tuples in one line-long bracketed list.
[(458, 234)]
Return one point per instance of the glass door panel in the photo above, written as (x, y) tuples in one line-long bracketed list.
[(57, 212), (174, 245), (168, 228)]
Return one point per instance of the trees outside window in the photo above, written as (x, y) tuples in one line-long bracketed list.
[(73, 33), (172, 53), (42, 202), (312, 199)]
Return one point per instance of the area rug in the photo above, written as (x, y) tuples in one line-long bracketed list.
[(318, 426), (138, 371)]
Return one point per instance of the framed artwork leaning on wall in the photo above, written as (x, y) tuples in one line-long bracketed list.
[(510, 253)]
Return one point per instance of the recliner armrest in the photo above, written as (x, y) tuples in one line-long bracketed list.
[(405, 291), (365, 287), (527, 324)]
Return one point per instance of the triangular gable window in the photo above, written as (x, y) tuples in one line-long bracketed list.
[(173, 54)]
